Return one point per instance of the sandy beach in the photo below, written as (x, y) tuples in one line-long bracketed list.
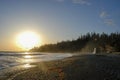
[(82, 67)]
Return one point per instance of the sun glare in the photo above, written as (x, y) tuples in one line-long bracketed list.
[(28, 40)]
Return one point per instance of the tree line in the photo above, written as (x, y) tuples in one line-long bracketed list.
[(85, 43)]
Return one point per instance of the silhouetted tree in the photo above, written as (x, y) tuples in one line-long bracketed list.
[(85, 43)]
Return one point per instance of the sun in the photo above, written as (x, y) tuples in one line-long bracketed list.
[(27, 40)]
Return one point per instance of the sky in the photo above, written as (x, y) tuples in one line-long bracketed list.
[(56, 20)]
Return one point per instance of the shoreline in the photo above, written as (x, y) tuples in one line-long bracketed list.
[(80, 67)]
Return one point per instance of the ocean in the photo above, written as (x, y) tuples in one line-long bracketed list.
[(12, 59)]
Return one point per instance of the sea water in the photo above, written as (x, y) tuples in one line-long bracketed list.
[(11, 59)]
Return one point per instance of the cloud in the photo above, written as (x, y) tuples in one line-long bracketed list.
[(109, 22), (107, 18), (82, 2), (104, 14)]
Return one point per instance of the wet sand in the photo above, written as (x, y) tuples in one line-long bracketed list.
[(82, 67)]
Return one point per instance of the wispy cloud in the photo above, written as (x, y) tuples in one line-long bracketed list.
[(104, 14), (109, 22), (82, 2), (107, 18)]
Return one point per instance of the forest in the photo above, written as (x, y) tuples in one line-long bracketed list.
[(104, 43)]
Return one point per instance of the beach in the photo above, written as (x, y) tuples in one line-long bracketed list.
[(80, 67)]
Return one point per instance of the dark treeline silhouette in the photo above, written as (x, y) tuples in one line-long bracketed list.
[(85, 43)]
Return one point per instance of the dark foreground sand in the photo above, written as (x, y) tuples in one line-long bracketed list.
[(84, 67)]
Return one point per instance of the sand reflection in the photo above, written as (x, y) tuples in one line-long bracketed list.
[(27, 65), (28, 59), (28, 56)]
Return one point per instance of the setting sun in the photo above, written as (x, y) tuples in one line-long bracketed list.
[(27, 40)]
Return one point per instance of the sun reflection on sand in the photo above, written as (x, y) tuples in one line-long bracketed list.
[(27, 60), (26, 53), (27, 65), (28, 56)]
